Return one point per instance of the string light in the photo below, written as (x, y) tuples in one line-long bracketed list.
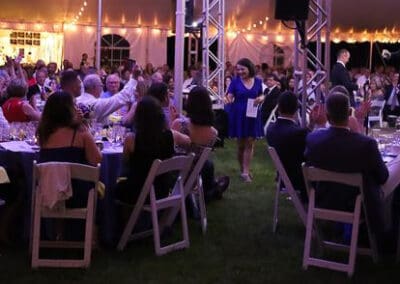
[(79, 14)]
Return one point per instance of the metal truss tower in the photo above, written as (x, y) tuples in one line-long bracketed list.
[(317, 29), (213, 32)]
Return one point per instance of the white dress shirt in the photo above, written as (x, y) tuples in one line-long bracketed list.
[(103, 107)]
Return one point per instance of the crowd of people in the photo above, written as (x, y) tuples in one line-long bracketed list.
[(66, 102)]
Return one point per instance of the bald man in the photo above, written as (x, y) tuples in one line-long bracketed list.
[(112, 85)]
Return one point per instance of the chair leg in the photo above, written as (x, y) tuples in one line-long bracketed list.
[(276, 208), (128, 228), (202, 205), (36, 233), (89, 229), (185, 231), (156, 230), (309, 230)]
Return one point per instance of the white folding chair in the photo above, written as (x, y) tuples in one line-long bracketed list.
[(272, 118), (79, 172), (193, 187), (380, 104), (314, 175), (181, 165), (283, 177)]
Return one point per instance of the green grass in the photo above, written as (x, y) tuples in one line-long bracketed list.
[(238, 247)]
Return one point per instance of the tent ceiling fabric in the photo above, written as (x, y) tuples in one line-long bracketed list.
[(360, 15)]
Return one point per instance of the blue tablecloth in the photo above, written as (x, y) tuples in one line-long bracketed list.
[(111, 164)]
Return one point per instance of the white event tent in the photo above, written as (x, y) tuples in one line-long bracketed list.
[(54, 30)]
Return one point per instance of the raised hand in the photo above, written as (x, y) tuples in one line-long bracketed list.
[(386, 54)]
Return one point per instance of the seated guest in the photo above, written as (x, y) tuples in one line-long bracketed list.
[(71, 83), (38, 93), (338, 149), (140, 92), (151, 140), (392, 97), (102, 108), (16, 109), (318, 117), (271, 94), (61, 138), (198, 126), (112, 86), (160, 92), (289, 141)]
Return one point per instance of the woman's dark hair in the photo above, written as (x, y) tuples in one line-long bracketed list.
[(158, 91), (149, 123), (58, 112), (247, 63), (199, 107)]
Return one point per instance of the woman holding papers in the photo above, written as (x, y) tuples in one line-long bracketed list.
[(245, 95)]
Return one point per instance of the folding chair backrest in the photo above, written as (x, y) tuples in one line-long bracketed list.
[(80, 172), (312, 174), (378, 103), (288, 184), (180, 165)]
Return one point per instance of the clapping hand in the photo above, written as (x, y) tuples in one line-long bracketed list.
[(228, 99), (318, 115), (386, 54), (362, 111)]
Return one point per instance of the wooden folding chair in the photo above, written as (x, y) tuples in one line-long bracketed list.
[(193, 187), (314, 175), (181, 165), (79, 172), (283, 177), (272, 118)]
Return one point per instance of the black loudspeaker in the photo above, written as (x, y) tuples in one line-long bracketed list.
[(291, 10), (189, 12)]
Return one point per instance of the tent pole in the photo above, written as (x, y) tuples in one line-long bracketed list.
[(371, 48), (179, 50), (99, 23)]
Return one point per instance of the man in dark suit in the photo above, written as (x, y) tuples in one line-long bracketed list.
[(340, 75), (271, 94), (338, 149), (38, 89), (392, 97), (289, 139)]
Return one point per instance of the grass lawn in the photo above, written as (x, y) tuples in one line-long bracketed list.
[(238, 247)]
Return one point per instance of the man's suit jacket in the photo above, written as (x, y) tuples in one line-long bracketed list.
[(289, 141), (270, 102), (340, 76), (338, 149), (387, 109), (34, 89)]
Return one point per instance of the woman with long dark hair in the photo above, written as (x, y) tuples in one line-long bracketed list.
[(199, 127), (151, 140), (60, 136)]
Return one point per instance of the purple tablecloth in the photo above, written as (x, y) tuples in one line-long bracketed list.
[(21, 162)]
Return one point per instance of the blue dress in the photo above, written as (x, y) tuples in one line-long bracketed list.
[(241, 126)]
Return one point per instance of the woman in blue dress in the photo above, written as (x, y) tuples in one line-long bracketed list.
[(244, 92)]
